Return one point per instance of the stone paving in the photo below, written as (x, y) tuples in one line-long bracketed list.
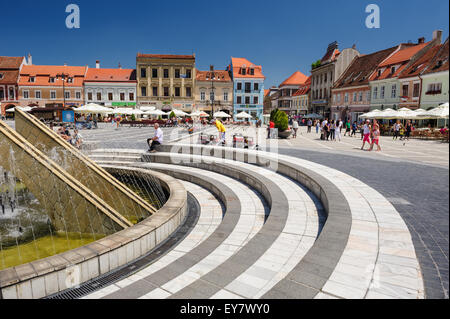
[(398, 201)]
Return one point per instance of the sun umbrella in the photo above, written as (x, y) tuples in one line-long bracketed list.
[(93, 108), (221, 114), (386, 114), (440, 112), (243, 115), (371, 114), (179, 113)]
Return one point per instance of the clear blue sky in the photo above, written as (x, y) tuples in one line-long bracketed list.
[(282, 36)]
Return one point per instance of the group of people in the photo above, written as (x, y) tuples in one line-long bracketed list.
[(74, 139)]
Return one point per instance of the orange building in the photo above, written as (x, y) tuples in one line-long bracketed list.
[(9, 76), (48, 85)]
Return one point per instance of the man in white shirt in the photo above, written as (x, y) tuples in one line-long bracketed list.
[(156, 140)]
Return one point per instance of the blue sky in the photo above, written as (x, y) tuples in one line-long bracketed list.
[(282, 36)]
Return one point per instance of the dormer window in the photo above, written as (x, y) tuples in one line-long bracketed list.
[(393, 70), (69, 80), (252, 71), (244, 71), (379, 72), (1, 76), (32, 79), (51, 80)]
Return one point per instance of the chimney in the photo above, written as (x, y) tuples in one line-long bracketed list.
[(120, 66), (65, 64), (421, 40), (30, 59), (97, 64), (437, 34), (354, 47), (211, 68)]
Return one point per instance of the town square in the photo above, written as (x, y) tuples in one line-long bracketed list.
[(220, 171)]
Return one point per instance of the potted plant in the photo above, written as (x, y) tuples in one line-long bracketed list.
[(281, 121)]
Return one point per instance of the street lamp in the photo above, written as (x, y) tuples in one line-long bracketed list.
[(211, 96), (63, 76)]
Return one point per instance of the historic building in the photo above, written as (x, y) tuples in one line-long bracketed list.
[(287, 89), (248, 87), (166, 81), (325, 73), (213, 91), (384, 83), (301, 99), (351, 93), (49, 85), (110, 87), (9, 77), (435, 78)]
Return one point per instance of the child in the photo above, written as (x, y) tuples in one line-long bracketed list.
[(402, 133)]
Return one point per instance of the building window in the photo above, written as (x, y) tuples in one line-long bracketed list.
[(166, 91), (110, 96), (346, 98), (99, 96), (247, 100), (325, 78), (188, 74), (177, 91), (382, 93), (154, 73), (239, 100), (2, 94), (394, 91), (11, 93), (143, 72), (122, 96), (188, 91), (177, 73), (248, 87), (67, 95), (131, 96), (69, 80), (202, 96), (225, 96), (243, 71), (375, 92), (405, 90), (239, 86), (211, 96), (52, 95), (78, 95), (368, 96), (339, 98), (37, 94), (155, 91), (89, 96), (416, 90), (325, 95), (51, 80), (143, 91), (32, 79), (393, 70), (434, 88), (26, 94), (255, 100), (360, 96), (256, 86), (166, 73), (252, 71)]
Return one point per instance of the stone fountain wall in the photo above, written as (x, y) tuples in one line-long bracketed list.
[(100, 182)]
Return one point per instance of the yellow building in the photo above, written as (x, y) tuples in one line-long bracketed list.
[(166, 81), (214, 91)]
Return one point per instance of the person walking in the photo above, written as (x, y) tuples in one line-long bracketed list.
[(270, 129), (309, 123), (333, 129), (221, 128), (156, 140), (354, 128), (338, 130), (317, 126), (397, 127), (375, 137), (408, 130), (366, 132), (347, 128), (295, 127)]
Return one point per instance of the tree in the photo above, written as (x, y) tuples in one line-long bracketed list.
[(316, 64), (172, 115)]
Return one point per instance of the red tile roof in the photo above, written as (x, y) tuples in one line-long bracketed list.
[(165, 56), (266, 92), (417, 67), (43, 73), (361, 68), (110, 75), (298, 78), (219, 76), (7, 62), (440, 62), (304, 89), (404, 55), (240, 63)]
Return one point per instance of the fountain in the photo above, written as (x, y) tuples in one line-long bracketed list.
[(54, 200)]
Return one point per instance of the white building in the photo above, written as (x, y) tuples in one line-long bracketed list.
[(110, 87)]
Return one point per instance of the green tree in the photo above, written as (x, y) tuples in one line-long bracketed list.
[(172, 115)]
